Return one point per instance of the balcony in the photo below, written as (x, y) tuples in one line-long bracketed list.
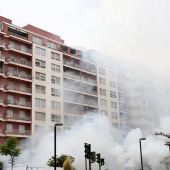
[(20, 76), (17, 118), (2, 44), (1, 32), (20, 62), (17, 132), (19, 49), (21, 90), (19, 104)]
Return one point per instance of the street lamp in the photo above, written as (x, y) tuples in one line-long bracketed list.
[(57, 124), (141, 151)]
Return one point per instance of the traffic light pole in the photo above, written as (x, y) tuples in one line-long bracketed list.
[(89, 164), (85, 163), (99, 167)]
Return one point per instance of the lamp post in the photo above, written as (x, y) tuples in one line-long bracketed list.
[(57, 124), (141, 151)]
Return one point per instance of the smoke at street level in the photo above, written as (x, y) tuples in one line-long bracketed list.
[(120, 152)]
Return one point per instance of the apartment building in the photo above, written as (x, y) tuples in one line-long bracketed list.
[(44, 81)]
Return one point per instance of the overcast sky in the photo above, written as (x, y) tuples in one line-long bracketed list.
[(131, 29)]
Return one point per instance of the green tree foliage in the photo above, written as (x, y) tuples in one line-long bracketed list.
[(10, 149), (67, 164), (59, 160)]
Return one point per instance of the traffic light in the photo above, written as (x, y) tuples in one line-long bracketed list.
[(102, 161), (98, 157), (87, 150), (93, 157)]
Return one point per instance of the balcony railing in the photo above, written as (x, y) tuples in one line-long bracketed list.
[(82, 67), (20, 61), (90, 69), (19, 75), (18, 103), (17, 132), (72, 64), (74, 76), (18, 88), (19, 48), (82, 101), (17, 117)]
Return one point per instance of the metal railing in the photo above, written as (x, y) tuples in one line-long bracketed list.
[(20, 75), (18, 103), (18, 132), (17, 117), (18, 88), (20, 61), (19, 48)]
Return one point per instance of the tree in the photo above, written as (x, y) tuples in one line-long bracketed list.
[(67, 164), (10, 148), (59, 160)]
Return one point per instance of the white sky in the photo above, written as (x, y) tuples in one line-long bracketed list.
[(131, 29)]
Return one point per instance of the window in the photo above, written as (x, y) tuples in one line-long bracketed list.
[(55, 67), (1, 25), (102, 92), (55, 118), (37, 40), (9, 128), (40, 116), (55, 105), (22, 114), (10, 113), (40, 63), (55, 80), (103, 102), (21, 129), (40, 76), (103, 112), (40, 89), (102, 81), (55, 56), (51, 45), (40, 51), (112, 84), (111, 74), (39, 102), (115, 125), (114, 105), (23, 48), (101, 71), (55, 92), (112, 94), (114, 115)]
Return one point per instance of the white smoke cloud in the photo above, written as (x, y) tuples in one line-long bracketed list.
[(119, 153)]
